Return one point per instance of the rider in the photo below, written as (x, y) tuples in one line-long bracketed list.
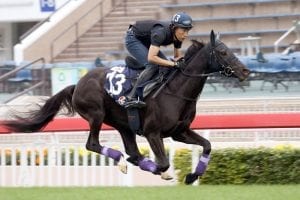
[(143, 41)]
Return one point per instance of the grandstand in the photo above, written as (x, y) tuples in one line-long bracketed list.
[(233, 19), (81, 31)]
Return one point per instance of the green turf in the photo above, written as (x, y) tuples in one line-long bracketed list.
[(230, 192)]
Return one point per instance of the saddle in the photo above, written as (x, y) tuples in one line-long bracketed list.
[(132, 63)]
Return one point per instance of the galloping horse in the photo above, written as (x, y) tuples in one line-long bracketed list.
[(169, 114)]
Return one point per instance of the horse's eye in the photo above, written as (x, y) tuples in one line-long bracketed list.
[(223, 53)]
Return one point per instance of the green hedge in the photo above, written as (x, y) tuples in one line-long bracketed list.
[(245, 166)]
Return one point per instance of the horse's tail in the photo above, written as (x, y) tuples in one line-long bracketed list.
[(36, 120)]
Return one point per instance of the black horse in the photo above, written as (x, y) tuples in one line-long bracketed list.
[(169, 114)]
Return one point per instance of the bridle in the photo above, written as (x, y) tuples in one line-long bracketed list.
[(215, 62)]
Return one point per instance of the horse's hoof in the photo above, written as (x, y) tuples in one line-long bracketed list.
[(122, 165), (166, 176), (190, 178)]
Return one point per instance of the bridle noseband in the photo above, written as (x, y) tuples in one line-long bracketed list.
[(215, 62)]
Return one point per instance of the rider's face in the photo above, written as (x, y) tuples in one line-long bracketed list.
[(181, 33)]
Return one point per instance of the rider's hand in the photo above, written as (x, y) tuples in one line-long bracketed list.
[(179, 64)]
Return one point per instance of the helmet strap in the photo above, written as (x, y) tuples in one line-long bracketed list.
[(173, 31)]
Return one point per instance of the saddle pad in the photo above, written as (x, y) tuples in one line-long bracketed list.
[(118, 82)]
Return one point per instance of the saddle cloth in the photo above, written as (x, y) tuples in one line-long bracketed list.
[(119, 82)]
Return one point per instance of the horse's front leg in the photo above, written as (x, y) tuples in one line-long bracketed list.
[(191, 137), (162, 165)]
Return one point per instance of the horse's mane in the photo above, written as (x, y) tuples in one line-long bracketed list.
[(194, 48)]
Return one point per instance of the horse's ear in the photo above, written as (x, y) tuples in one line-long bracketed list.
[(212, 38)]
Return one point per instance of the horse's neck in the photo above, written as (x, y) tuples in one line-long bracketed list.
[(191, 87)]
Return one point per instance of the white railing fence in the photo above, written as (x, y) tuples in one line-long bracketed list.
[(60, 159), (57, 165), (51, 163)]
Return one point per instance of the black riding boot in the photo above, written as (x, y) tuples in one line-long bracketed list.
[(146, 75)]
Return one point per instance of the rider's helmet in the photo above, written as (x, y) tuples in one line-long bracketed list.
[(182, 20)]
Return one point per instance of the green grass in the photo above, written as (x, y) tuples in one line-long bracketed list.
[(218, 192)]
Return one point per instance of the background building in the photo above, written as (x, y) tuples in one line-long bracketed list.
[(19, 16)]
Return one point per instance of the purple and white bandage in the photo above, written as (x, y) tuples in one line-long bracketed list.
[(202, 164), (111, 153), (148, 165)]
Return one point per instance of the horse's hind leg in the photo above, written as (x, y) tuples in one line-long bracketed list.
[(131, 148), (191, 137), (94, 145)]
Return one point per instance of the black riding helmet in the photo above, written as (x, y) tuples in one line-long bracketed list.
[(182, 20)]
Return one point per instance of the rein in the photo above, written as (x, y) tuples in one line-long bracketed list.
[(197, 75), (182, 97)]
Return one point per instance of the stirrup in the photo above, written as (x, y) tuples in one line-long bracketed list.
[(134, 103)]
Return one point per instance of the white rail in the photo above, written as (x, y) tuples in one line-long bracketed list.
[(54, 160), (60, 159), (53, 165)]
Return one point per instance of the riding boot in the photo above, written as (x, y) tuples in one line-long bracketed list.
[(145, 76)]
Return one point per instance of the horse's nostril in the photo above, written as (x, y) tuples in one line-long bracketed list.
[(246, 72)]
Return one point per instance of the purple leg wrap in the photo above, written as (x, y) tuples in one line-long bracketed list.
[(202, 164), (111, 153), (148, 165)]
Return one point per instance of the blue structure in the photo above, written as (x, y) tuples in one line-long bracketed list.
[(275, 68), (273, 62)]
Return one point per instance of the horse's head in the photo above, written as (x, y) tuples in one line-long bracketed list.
[(222, 59)]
